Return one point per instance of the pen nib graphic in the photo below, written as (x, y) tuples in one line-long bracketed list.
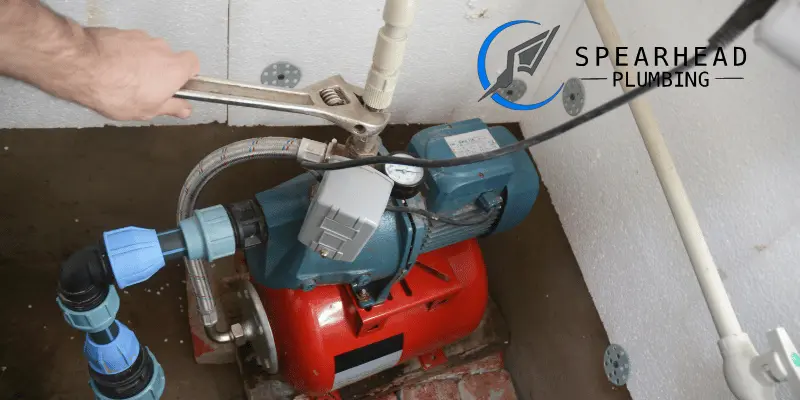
[(526, 56)]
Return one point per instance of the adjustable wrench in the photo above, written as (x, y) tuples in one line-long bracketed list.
[(332, 99)]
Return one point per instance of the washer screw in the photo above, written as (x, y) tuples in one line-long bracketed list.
[(513, 91), (324, 253), (281, 74), (617, 365), (574, 96), (363, 295)]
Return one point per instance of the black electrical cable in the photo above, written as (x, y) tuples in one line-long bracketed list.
[(748, 12), (442, 218), (745, 15)]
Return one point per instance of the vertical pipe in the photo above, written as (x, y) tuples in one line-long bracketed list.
[(388, 56), (696, 247)]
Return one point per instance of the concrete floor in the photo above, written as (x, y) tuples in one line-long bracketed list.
[(60, 189)]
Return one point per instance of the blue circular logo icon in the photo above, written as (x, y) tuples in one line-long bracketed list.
[(535, 45)]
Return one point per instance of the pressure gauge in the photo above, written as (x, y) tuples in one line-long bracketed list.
[(407, 178)]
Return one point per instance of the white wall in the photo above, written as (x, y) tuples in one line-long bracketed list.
[(737, 147), (438, 80)]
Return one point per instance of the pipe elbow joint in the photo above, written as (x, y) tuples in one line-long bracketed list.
[(744, 382), (216, 336), (85, 291)]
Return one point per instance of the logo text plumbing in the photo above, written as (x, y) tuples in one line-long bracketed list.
[(662, 60)]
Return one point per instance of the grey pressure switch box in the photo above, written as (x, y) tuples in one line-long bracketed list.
[(345, 212)]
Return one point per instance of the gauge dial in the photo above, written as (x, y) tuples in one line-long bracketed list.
[(405, 175), (407, 179)]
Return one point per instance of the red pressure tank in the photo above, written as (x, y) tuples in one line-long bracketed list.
[(325, 341)]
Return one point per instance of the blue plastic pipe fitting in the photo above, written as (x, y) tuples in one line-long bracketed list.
[(113, 357), (152, 391), (96, 319), (120, 366), (135, 254), (208, 234)]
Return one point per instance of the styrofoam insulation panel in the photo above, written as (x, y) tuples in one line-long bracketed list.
[(736, 146)]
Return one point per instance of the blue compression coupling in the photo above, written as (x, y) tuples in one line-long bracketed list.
[(153, 390), (115, 356), (209, 234), (134, 254), (119, 366), (96, 319)]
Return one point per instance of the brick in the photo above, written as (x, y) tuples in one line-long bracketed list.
[(488, 386), (435, 390), (490, 363)]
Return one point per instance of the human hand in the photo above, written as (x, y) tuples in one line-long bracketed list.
[(132, 76)]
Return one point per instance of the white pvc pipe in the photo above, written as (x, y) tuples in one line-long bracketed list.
[(699, 254), (388, 56)]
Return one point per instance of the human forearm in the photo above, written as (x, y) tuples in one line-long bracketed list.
[(121, 74), (44, 49)]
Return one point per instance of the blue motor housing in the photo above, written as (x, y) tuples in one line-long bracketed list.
[(473, 188), (504, 188)]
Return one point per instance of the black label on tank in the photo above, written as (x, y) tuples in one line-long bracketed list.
[(370, 352)]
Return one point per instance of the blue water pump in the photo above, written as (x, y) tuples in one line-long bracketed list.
[(502, 189), (361, 226)]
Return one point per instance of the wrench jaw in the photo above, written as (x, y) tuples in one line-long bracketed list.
[(342, 104), (366, 127), (332, 99)]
